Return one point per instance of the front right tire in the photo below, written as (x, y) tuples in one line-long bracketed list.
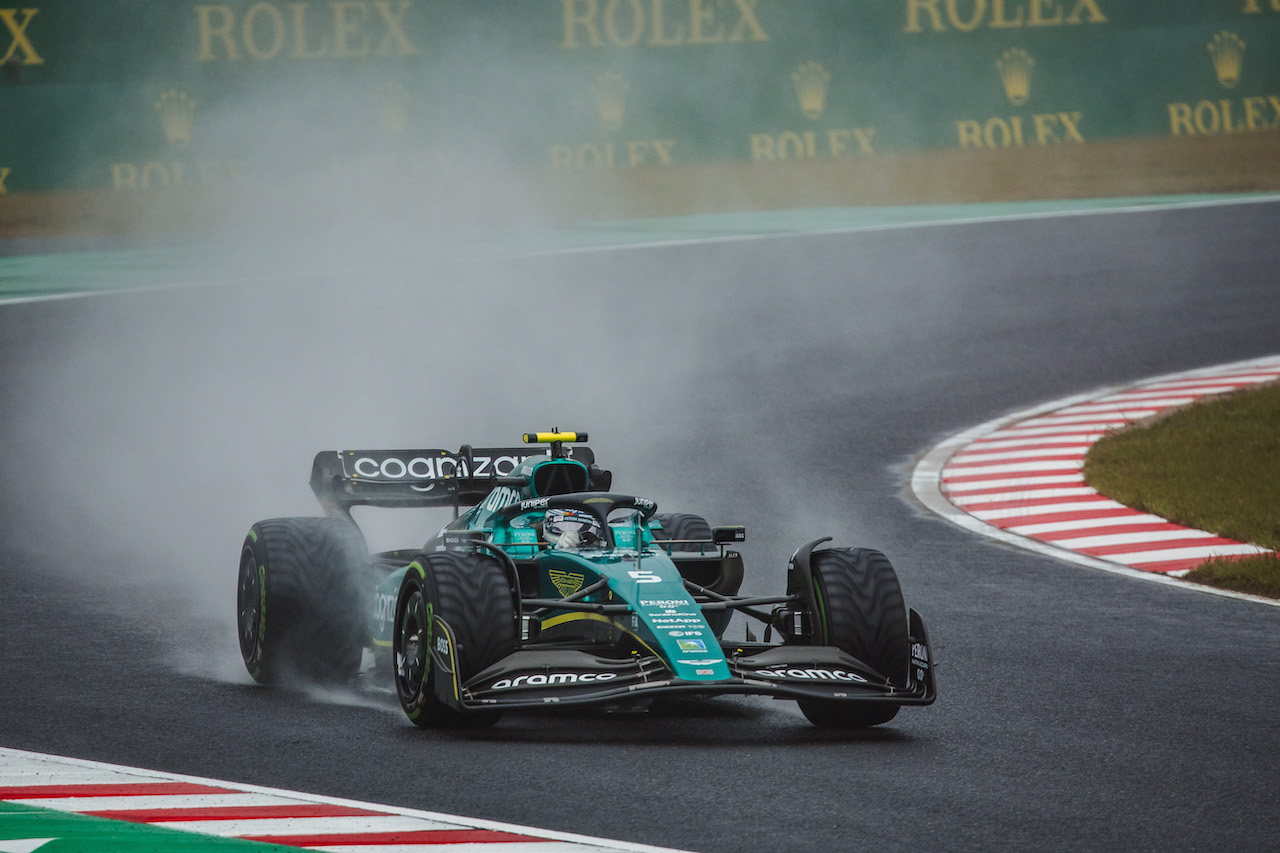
[(861, 611)]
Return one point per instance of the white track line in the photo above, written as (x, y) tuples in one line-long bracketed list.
[(233, 810), (1024, 460)]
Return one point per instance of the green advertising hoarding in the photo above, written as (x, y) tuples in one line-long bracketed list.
[(140, 94)]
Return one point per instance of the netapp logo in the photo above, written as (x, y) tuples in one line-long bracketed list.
[(812, 674), (552, 679)]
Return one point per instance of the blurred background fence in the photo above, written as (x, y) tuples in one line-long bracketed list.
[(155, 113)]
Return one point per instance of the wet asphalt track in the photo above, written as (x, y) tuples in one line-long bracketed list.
[(784, 384)]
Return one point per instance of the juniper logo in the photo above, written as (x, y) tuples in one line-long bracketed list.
[(177, 117), (1015, 73), (811, 81), (610, 92), (1227, 51)]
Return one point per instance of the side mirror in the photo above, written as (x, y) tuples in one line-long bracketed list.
[(728, 535)]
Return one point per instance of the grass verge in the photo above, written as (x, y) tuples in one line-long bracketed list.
[(1213, 465)]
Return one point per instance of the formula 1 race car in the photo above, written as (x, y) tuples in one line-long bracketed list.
[(552, 590)]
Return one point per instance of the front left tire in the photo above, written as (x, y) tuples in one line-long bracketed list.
[(455, 616), (861, 611)]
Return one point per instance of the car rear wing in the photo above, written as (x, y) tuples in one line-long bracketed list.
[(342, 479)]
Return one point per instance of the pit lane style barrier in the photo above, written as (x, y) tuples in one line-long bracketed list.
[(67, 803), (135, 98), (1018, 478)]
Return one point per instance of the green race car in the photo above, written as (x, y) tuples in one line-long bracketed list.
[(549, 589)]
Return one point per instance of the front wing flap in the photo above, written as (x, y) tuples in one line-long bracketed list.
[(534, 678)]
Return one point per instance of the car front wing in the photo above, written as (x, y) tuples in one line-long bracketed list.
[(538, 678)]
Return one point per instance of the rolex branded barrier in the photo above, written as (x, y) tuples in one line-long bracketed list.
[(125, 109)]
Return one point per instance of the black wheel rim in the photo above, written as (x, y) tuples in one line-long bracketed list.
[(249, 604), (411, 646)]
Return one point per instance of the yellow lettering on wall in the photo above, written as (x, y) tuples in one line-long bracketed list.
[(253, 29), (1012, 132), (1208, 118), (998, 19), (174, 173), (1041, 16), (748, 27), (300, 34), (658, 23), (393, 21), (966, 16), (660, 37), (966, 25), (612, 28), (1091, 6), (1251, 7), (5, 171), (18, 38), (835, 144), (703, 27), (337, 29), (970, 133), (1180, 120), (594, 156), (580, 14), (211, 29), (348, 30), (1253, 108), (915, 7)]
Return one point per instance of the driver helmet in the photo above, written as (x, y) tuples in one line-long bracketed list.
[(571, 529)]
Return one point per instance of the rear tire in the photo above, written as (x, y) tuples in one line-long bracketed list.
[(684, 525), (861, 611), (303, 599), (472, 595)]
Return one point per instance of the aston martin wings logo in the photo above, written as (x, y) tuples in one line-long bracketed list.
[(566, 582)]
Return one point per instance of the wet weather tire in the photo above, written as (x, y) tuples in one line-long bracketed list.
[(684, 525), (303, 600), (861, 611), (471, 595)]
